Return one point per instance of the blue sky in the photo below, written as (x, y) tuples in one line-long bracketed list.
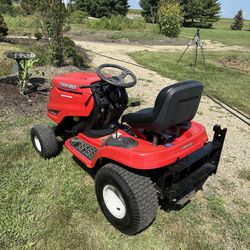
[(228, 7)]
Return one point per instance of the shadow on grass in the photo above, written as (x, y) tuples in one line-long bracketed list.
[(164, 204), (89, 171)]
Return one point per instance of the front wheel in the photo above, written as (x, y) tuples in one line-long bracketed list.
[(44, 141), (128, 200)]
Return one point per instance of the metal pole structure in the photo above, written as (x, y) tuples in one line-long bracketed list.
[(190, 43), (195, 55), (198, 44), (202, 51)]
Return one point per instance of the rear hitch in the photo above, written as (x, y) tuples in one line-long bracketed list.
[(188, 175)]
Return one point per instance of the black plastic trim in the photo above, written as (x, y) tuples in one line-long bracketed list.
[(191, 172)]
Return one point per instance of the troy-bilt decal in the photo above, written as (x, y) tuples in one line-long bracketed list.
[(188, 145), (67, 86), (67, 96)]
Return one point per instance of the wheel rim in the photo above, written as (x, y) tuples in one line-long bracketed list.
[(38, 144), (114, 201)]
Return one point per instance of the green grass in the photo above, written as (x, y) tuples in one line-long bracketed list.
[(52, 205), (231, 86), (117, 23), (225, 23), (225, 36), (134, 11), (20, 25)]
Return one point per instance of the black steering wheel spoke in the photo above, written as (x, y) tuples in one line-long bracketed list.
[(123, 75), (119, 80)]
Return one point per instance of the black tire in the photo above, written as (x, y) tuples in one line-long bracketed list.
[(44, 141), (137, 194)]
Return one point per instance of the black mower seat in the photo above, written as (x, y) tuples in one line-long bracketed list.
[(175, 104)]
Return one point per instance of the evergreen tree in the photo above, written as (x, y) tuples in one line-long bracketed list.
[(150, 10), (238, 21), (3, 28), (101, 8), (200, 12), (211, 11)]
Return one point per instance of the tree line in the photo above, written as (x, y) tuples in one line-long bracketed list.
[(195, 13), (169, 14)]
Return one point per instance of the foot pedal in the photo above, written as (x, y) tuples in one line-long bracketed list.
[(83, 148)]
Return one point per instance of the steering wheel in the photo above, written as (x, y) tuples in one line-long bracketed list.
[(119, 80)]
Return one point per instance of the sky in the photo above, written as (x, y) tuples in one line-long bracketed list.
[(228, 7)]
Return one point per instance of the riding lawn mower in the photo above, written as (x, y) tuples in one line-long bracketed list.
[(138, 159)]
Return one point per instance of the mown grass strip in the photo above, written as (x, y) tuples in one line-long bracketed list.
[(231, 86)]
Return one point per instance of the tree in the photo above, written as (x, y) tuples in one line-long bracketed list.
[(3, 28), (101, 8), (201, 13), (51, 16), (169, 19), (238, 21), (150, 10)]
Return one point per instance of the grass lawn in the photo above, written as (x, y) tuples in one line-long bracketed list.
[(225, 35), (232, 86)]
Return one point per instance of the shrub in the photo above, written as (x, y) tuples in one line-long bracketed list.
[(78, 17), (3, 28), (67, 42), (38, 35), (117, 23), (238, 21), (52, 15), (72, 54), (169, 19)]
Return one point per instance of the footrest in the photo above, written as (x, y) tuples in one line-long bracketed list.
[(83, 148)]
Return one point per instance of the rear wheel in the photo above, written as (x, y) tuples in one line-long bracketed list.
[(44, 141), (128, 201)]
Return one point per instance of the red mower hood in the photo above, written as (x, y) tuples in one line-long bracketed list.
[(75, 79)]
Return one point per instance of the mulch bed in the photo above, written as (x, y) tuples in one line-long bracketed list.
[(36, 101)]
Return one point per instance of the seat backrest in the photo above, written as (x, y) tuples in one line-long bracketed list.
[(176, 104)]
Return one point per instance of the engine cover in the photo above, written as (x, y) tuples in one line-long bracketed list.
[(67, 99)]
